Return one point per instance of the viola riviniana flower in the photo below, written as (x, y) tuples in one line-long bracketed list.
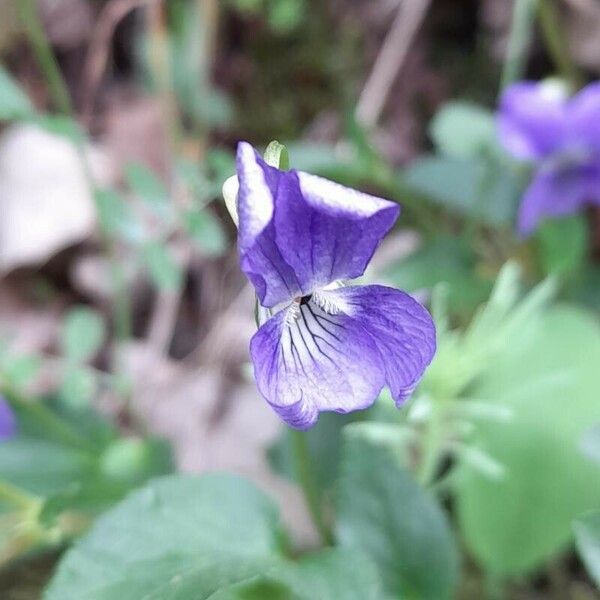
[(323, 346), (538, 122), (8, 423)]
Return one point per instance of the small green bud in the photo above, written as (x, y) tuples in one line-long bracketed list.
[(277, 156), (124, 459)]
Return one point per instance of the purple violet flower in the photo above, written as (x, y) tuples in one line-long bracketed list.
[(8, 423), (323, 346), (538, 122)]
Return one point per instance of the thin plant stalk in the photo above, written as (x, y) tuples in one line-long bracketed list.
[(431, 449), (304, 472), (52, 424), (521, 33), (17, 497), (30, 19)]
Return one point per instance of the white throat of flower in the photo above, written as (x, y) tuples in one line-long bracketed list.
[(324, 302)]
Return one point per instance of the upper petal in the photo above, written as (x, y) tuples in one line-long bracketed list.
[(532, 119), (558, 192), (328, 232), (315, 362), (401, 328), (299, 232)]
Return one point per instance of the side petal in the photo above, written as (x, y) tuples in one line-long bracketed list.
[(315, 362), (532, 119), (260, 257), (400, 327), (556, 193)]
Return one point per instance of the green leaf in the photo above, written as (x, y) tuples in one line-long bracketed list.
[(82, 334), (164, 271), (14, 103), (276, 155), (55, 421), (587, 538), (115, 217), (483, 190), (89, 496), (563, 244), (214, 536), (383, 512), (548, 483), (125, 464), (146, 184), (444, 260), (590, 443), (221, 164), (40, 466), (135, 460), (195, 179), (463, 129), (18, 370), (260, 587), (180, 537), (78, 388), (206, 230), (333, 574)]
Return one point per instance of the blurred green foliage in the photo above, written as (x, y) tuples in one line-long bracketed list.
[(489, 474), (236, 549)]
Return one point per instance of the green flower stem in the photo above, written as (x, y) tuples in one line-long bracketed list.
[(431, 449), (30, 19), (306, 478), (122, 309), (17, 497), (557, 43), (521, 30), (52, 424)]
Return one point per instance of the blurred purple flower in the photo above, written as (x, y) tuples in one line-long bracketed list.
[(538, 122), (8, 423), (324, 347)]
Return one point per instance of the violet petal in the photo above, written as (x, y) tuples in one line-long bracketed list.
[(558, 192), (339, 359), (319, 362), (299, 232), (532, 120)]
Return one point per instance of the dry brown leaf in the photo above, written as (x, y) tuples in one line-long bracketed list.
[(45, 201)]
